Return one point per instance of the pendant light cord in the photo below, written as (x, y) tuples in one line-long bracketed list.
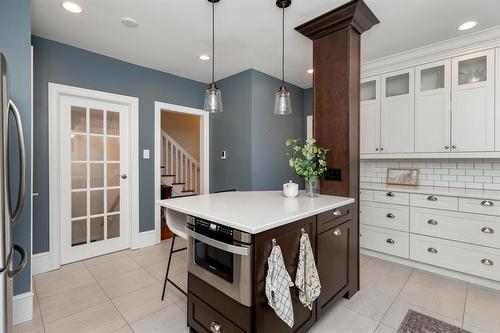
[(213, 41), (283, 47)]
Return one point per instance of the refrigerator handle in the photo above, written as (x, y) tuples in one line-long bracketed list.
[(22, 264), (22, 168)]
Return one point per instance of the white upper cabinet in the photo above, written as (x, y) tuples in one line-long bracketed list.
[(432, 107), (497, 99), (397, 112), (473, 113), (370, 115)]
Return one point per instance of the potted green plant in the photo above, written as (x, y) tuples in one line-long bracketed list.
[(308, 161)]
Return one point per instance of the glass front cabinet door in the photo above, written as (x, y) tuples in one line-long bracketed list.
[(370, 115), (432, 107), (473, 109), (397, 112)]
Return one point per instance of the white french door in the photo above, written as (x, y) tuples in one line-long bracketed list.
[(94, 185)]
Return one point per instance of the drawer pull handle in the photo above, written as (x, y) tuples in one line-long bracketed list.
[(390, 216), (432, 222), (487, 262), (432, 198), (390, 241), (390, 194), (432, 250), (486, 203), (214, 327), (487, 230), (336, 212), (337, 232)]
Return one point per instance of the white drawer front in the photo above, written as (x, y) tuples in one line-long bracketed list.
[(400, 198), (365, 195), (480, 206), (464, 227), (385, 215), (434, 201), (382, 240), (471, 259)]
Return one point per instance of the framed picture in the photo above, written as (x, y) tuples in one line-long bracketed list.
[(402, 177)]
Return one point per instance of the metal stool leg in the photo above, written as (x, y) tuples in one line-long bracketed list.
[(172, 251)]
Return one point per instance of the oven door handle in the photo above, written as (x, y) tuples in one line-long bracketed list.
[(239, 250)]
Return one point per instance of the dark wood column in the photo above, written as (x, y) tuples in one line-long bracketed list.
[(336, 39)]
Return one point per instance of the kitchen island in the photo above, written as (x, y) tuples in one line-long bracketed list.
[(230, 236)]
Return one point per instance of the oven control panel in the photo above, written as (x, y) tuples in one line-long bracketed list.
[(213, 227)]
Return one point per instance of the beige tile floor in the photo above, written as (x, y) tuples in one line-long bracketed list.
[(120, 292)]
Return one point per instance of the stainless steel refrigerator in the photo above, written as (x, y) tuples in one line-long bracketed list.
[(10, 210)]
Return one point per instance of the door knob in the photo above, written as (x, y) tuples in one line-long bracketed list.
[(124, 176)]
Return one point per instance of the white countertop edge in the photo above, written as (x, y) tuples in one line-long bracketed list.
[(261, 228), (434, 190)]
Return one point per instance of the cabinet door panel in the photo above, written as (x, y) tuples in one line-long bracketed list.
[(432, 107), (473, 114), (497, 99), (370, 116), (397, 112)]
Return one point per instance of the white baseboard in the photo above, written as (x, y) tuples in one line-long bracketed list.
[(40, 263), (148, 238), (434, 269), (22, 308)]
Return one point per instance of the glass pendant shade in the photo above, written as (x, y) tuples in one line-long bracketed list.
[(213, 99), (282, 103)]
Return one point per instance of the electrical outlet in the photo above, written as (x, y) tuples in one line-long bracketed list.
[(145, 154)]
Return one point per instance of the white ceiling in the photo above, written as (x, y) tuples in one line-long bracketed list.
[(173, 33)]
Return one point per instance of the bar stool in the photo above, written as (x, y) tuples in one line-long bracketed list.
[(178, 232)]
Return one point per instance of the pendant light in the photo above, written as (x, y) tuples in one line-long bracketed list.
[(213, 96), (282, 104)]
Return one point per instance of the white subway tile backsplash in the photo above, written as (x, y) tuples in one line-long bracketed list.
[(458, 173)]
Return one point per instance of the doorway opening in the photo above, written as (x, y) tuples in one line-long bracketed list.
[(181, 156)]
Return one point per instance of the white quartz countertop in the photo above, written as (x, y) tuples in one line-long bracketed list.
[(435, 190), (256, 211)]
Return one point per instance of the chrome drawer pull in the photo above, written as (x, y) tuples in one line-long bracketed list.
[(336, 212), (389, 194), (432, 222), (214, 327), (432, 250), (389, 216), (432, 198), (390, 241), (337, 232), (486, 203), (487, 262), (487, 230)]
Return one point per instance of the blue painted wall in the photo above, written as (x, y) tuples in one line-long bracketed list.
[(64, 64), (15, 35)]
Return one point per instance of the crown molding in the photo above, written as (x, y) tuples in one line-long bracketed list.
[(485, 39)]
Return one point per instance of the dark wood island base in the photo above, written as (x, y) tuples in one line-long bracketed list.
[(334, 238)]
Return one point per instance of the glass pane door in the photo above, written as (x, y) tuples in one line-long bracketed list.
[(95, 175)]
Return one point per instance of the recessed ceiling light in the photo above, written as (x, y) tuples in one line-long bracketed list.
[(310, 71), (467, 25), (72, 7), (129, 22), (204, 57)]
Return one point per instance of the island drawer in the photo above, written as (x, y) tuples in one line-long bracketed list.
[(470, 228), (205, 319), (334, 217), (476, 260), (385, 215), (399, 198), (480, 206), (384, 240), (434, 201)]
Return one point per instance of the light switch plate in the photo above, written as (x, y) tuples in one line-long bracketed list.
[(145, 154), (223, 155)]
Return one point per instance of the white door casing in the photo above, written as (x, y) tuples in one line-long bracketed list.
[(397, 112), (432, 107), (473, 112), (370, 117), (61, 99)]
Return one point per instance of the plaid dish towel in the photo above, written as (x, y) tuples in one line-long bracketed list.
[(278, 284), (307, 278)]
